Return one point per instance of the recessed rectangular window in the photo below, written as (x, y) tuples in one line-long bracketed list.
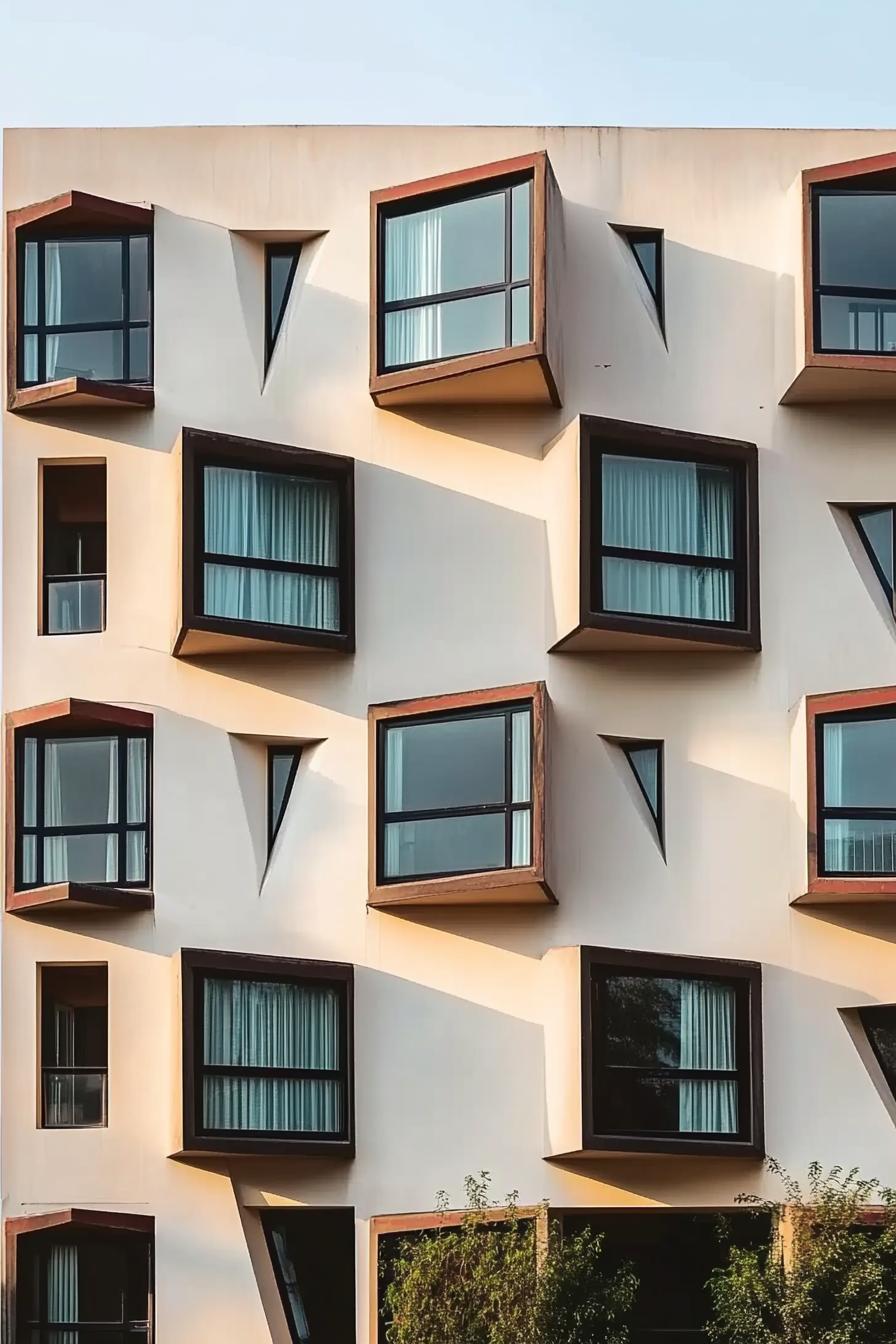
[(82, 808), (80, 1285), (85, 308), (456, 274), (856, 790), (854, 280), (74, 1046), (456, 792), (313, 1255), (74, 549)]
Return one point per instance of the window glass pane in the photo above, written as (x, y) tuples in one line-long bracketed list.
[(83, 281), (29, 354), (85, 354), (445, 845), (635, 1103), (281, 767), (74, 1100), (521, 840), (138, 353), (136, 779), (442, 330), (135, 857), (30, 296), (80, 781), (266, 1024), (280, 270), (452, 247), (520, 316), (880, 1024), (271, 516), (645, 763), (74, 606), (520, 249), (521, 755), (878, 528), (139, 280), (313, 1253), (81, 858), (102, 1282), (856, 233), (29, 809), (654, 589), (655, 1021), (646, 251), (860, 763), (29, 859), (307, 601), (852, 845), (445, 763), (680, 507), (858, 324), (311, 1105)]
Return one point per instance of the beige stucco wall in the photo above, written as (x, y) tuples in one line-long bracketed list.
[(452, 593)]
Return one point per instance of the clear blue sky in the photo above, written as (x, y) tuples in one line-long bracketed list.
[(630, 62)]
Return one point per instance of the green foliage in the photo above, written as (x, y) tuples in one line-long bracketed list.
[(490, 1281), (822, 1277)]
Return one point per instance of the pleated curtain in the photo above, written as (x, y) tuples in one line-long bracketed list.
[(264, 1024), (62, 1293), (860, 845), (521, 787), (266, 516), (413, 269), (135, 804), (61, 785), (667, 506), (707, 1106)]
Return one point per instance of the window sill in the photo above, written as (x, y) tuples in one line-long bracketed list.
[(848, 891), (516, 375), (218, 1146), (605, 1145), (79, 898), (612, 633), (508, 886), (82, 393), (832, 378), (205, 635)]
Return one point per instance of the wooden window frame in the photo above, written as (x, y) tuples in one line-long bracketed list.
[(124, 1227), (272, 1215), (72, 214), (747, 976), (432, 381), (202, 448), (196, 963), (840, 889), (74, 717), (522, 885), (598, 436)]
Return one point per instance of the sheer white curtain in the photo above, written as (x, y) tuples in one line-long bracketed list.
[(413, 269), (521, 776), (136, 808), (61, 1087), (267, 516), (392, 865), (667, 506), (78, 857), (707, 1106), (291, 1283), (62, 1292), (53, 303), (264, 1024)]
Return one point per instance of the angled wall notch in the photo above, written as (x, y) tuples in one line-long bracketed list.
[(647, 246), (876, 528)]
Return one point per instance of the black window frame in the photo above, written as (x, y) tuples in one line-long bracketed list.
[(48, 579), (857, 513), (599, 964), (496, 709), (275, 822), (636, 234), (70, 1070), (47, 234), (857, 292), (31, 1258), (417, 204), (339, 1285), (659, 812), (58, 729), (272, 328), (825, 813)]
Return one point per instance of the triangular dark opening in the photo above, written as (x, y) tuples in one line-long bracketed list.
[(879, 1025), (280, 263), (876, 527), (283, 762), (646, 761), (647, 249)]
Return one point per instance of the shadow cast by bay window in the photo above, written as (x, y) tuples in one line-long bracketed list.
[(665, 553), (268, 548), (267, 1055), (650, 1053), (458, 812), (851, 754), (79, 809), (80, 289), (462, 286), (81, 1275)]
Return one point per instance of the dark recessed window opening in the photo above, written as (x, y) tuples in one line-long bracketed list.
[(283, 762), (672, 537), (82, 808), (79, 1285), (879, 1023), (455, 792), (74, 1046), (876, 527), (646, 761), (85, 308), (280, 263), (854, 280), (74, 549), (271, 1056), (647, 250), (313, 1255), (671, 1054), (856, 792), (456, 274)]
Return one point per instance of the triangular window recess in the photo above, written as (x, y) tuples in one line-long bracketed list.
[(280, 263), (879, 1025), (283, 762), (876, 526), (647, 250), (646, 761)]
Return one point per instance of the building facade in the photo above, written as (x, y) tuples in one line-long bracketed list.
[(448, 683)]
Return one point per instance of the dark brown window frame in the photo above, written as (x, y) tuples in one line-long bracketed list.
[(204, 448), (838, 888), (48, 465), (624, 630), (112, 1226), (74, 716), (495, 886), (748, 975), (72, 1070), (269, 1218), (72, 213), (424, 381), (197, 962)]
